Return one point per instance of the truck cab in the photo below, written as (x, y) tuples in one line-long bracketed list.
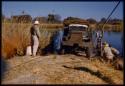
[(77, 37)]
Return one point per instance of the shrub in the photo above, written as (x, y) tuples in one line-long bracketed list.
[(16, 37)]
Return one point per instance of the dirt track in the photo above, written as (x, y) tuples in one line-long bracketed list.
[(59, 69)]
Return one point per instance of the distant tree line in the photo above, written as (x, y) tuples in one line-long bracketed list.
[(111, 21), (103, 20), (25, 18), (56, 18)]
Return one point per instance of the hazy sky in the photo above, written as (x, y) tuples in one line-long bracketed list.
[(84, 10)]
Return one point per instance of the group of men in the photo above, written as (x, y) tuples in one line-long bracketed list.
[(106, 50), (35, 38)]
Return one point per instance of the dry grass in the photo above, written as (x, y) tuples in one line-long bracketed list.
[(16, 37), (52, 26), (60, 69)]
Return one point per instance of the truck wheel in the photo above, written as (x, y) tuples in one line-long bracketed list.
[(87, 51), (63, 51), (75, 47)]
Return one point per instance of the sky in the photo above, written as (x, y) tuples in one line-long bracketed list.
[(83, 9)]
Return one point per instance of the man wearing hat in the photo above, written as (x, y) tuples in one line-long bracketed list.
[(35, 35), (108, 52)]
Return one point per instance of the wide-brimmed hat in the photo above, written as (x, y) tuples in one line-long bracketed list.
[(36, 22), (106, 44)]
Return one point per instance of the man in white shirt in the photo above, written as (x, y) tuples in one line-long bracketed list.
[(35, 36)]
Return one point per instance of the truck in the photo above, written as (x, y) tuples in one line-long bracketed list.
[(77, 39)]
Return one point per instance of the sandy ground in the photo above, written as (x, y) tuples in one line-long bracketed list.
[(59, 69)]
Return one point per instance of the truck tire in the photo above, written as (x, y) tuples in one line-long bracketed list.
[(75, 47), (62, 51), (88, 52)]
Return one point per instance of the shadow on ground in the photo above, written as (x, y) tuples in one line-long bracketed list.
[(3, 67), (47, 50), (98, 73), (64, 50)]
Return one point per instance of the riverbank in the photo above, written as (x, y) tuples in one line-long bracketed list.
[(59, 69)]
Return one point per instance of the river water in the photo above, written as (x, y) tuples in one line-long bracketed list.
[(116, 40)]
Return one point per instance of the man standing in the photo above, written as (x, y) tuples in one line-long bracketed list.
[(57, 41), (35, 35), (99, 43)]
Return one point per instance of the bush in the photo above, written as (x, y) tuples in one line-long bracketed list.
[(16, 37)]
